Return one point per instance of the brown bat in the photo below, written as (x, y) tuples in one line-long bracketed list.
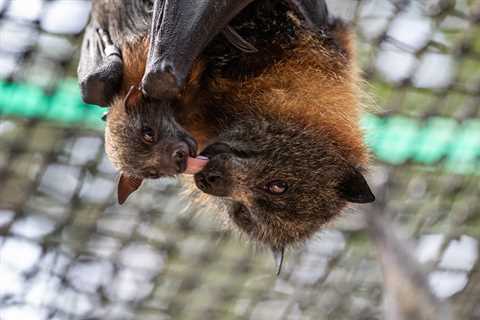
[(277, 114), (143, 138), (287, 155)]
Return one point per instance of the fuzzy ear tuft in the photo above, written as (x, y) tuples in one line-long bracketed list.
[(354, 188), (126, 186), (134, 98)]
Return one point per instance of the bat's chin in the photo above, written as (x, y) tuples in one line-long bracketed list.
[(213, 182)]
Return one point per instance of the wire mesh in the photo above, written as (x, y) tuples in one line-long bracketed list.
[(67, 251)]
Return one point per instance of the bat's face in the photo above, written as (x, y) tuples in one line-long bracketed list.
[(143, 140), (284, 181)]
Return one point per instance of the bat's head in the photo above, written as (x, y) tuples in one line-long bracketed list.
[(143, 140), (284, 180)]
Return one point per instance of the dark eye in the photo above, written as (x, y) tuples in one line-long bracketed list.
[(148, 135), (276, 187)]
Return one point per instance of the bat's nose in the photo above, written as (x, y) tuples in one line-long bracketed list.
[(212, 182), (171, 159)]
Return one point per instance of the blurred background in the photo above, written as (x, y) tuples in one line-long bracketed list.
[(67, 251)]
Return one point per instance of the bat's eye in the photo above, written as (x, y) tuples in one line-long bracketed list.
[(276, 187), (148, 135)]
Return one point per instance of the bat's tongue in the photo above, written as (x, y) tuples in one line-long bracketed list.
[(195, 165)]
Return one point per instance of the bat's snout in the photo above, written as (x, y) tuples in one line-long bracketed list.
[(170, 160)]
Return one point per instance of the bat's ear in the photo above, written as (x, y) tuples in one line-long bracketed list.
[(354, 188), (134, 98), (126, 186)]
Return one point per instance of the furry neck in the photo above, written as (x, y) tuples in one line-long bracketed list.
[(316, 86)]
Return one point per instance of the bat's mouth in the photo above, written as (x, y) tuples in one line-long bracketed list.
[(198, 164), (216, 149), (172, 160), (214, 178)]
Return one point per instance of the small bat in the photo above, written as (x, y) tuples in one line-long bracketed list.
[(143, 138)]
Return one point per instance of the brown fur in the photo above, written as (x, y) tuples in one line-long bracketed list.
[(134, 62), (300, 119), (314, 85), (124, 145), (312, 93)]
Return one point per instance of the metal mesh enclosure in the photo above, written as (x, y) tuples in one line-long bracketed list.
[(68, 251)]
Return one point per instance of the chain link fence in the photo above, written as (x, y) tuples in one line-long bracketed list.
[(67, 251)]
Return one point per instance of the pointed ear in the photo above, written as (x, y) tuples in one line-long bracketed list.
[(354, 188), (134, 98), (126, 186)]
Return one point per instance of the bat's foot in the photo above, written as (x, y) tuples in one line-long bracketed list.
[(160, 83), (101, 72)]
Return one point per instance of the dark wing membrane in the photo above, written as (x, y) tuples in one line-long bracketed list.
[(100, 67), (113, 24), (181, 29)]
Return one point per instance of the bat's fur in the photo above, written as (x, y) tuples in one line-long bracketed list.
[(289, 112)]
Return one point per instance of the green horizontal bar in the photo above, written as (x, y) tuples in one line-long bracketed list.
[(64, 105), (394, 139)]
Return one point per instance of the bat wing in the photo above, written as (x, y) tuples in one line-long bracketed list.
[(100, 67), (181, 29)]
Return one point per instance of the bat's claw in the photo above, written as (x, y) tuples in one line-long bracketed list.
[(238, 41), (106, 44), (104, 36), (160, 83)]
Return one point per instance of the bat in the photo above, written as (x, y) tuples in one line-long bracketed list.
[(280, 126), (270, 92), (143, 138)]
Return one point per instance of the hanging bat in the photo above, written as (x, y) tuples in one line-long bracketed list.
[(143, 138), (288, 155), (277, 114)]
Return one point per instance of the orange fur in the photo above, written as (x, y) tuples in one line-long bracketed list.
[(314, 86), (134, 62)]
